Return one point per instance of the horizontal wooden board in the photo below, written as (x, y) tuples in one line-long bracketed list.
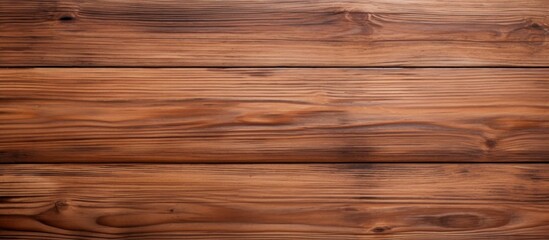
[(274, 33), (296, 201), (274, 115)]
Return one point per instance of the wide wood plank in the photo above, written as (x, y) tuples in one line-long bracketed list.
[(266, 115), (274, 33), (296, 201)]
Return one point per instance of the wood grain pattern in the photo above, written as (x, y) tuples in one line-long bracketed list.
[(301, 87), (274, 33), (268, 115), (296, 201)]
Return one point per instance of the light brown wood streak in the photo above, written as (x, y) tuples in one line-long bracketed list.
[(296, 201), (273, 115), (274, 33)]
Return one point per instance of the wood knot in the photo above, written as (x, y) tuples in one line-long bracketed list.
[(361, 18), (363, 22), (536, 26), (66, 18), (530, 32), (65, 11), (381, 229), (61, 205), (490, 143)]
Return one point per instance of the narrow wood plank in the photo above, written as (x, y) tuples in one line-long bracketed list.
[(282, 115), (274, 33), (296, 201)]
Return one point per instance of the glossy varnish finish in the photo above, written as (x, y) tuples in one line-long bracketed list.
[(261, 201), (274, 33), (261, 115)]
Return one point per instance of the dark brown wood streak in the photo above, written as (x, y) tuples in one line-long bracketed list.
[(277, 201), (274, 33), (265, 115)]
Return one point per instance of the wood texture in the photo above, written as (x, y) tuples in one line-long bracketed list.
[(298, 201), (268, 115), (274, 33), (298, 90)]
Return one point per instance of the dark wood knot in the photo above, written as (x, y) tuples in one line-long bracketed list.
[(66, 18), (381, 229)]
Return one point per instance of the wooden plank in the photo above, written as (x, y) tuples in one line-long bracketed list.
[(274, 115), (281, 201), (274, 33)]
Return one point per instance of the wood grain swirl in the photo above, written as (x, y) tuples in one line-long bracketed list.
[(280, 201), (273, 115), (274, 33)]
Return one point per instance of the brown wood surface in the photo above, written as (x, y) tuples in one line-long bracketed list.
[(432, 118), (274, 33), (296, 201), (267, 115)]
